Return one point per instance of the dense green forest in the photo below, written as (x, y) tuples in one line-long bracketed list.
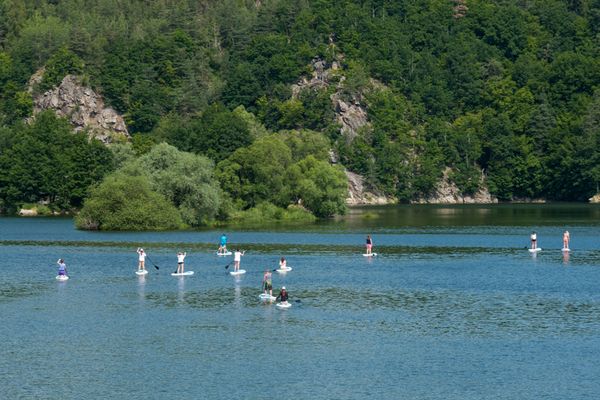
[(506, 89)]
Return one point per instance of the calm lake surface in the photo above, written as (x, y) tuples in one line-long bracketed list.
[(454, 307)]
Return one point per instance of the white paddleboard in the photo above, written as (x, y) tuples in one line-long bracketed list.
[(535, 250), (224, 254), (62, 278), (370, 255), (141, 272), (266, 296), (283, 305), (186, 273), (566, 249), (239, 272), (283, 270)]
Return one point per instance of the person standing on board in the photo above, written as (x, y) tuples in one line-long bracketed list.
[(180, 258), (283, 295), (62, 267), (369, 244), (533, 240), (267, 282), (237, 257), (566, 240), (141, 259), (223, 244)]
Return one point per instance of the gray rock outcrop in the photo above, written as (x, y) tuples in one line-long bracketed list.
[(83, 107), (350, 114), (358, 195), (446, 192), (595, 199)]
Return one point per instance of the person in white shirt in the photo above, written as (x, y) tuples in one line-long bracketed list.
[(533, 240), (180, 258), (141, 259), (237, 257)]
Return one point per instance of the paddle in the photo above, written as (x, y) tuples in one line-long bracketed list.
[(155, 266)]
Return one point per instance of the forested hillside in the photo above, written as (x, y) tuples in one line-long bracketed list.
[(504, 93)]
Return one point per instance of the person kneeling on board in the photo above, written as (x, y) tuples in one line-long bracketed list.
[(180, 258), (283, 295)]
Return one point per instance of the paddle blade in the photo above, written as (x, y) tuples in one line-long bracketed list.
[(156, 266)]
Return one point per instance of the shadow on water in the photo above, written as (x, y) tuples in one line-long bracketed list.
[(13, 291), (460, 313)]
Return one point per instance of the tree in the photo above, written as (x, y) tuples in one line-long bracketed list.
[(124, 202), (186, 180), (319, 186)]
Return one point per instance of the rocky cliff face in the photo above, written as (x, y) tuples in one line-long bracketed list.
[(359, 195), (352, 116), (446, 192), (83, 107), (349, 113)]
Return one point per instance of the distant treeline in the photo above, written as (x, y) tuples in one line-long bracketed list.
[(505, 89)]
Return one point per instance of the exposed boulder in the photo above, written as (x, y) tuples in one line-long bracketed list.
[(595, 199), (350, 115), (83, 107), (24, 212)]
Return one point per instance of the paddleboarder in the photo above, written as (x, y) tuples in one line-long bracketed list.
[(62, 267), (237, 257), (180, 258), (267, 282), (369, 244), (223, 244), (533, 238), (566, 239), (141, 259), (283, 295)]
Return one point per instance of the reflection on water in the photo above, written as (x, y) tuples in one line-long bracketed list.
[(141, 288), (566, 256), (181, 288)]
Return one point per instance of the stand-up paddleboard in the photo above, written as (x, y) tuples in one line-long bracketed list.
[(186, 273), (535, 250), (370, 255), (283, 270), (228, 253), (62, 278), (283, 305), (238, 272), (141, 272), (566, 249), (266, 297)]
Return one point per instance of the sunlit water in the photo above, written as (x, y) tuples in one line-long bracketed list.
[(454, 307)]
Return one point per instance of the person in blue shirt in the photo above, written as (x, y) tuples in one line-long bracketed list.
[(223, 244)]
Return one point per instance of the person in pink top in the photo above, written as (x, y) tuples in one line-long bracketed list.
[(566, 239)]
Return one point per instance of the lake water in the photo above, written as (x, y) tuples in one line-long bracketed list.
[(454, 307)]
